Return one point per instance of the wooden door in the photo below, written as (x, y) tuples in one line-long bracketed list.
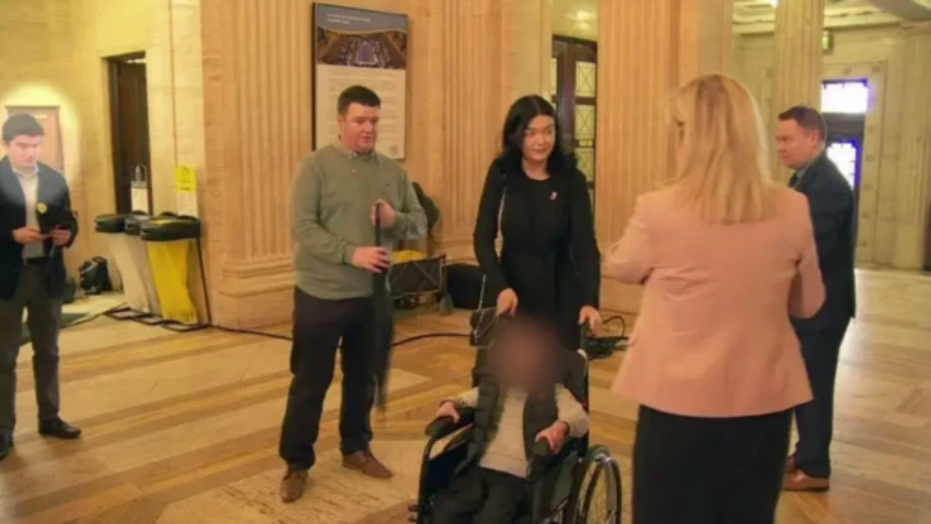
[(52, 154), (574, 66), (129, 119)]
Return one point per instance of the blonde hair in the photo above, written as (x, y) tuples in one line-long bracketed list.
[(723, 171)]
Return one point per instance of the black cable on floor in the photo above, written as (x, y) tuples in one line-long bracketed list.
[(429, 335), (275, 336), (95, 316), (203, 282), (91, 317), (396, 343), (255, 333), (610, 325)]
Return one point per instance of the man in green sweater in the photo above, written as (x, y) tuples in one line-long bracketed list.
[(336, 194)]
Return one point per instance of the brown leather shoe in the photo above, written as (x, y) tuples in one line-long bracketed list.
[(293, 484), (790, 465), (799, 481), (365, 462)]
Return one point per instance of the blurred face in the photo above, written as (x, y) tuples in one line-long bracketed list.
[(358, 128), (522, 357), (539, 139), (796, 145), (23, 151)]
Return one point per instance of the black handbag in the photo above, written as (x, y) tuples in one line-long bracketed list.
[(95, 277), (482, 321)]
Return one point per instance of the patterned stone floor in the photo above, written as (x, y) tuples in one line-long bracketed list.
[(183, 428)]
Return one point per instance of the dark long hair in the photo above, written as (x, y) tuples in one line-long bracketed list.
[(519, 116)]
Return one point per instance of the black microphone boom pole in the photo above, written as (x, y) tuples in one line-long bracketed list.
[(383, 331)]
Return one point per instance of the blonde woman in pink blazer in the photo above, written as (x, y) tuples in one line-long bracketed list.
[(725, 257)]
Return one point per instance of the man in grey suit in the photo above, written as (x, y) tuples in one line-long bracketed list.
[(32, 274)]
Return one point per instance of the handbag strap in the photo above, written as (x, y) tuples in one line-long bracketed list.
[(481, 296)]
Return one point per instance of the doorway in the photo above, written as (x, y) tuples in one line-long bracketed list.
[(844, 104), (48, 117), (129, 129), (845, 146), (574, 65)]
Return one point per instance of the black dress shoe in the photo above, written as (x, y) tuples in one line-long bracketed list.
[(58, 428), (6, 444)]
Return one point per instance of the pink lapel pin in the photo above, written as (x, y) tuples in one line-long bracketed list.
[(553, 196)]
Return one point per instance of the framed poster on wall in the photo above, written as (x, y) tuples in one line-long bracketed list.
[(358, 46)]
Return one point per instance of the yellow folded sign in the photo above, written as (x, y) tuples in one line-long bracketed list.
[(185, 179)]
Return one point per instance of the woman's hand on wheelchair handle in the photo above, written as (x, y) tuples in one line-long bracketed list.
[(590, 316), (448, 409), (507, 303)]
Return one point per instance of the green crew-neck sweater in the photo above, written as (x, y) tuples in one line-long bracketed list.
[(331, 202)]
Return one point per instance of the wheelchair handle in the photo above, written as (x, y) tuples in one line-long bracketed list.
[(438, 425), (443, 426), (585, 334)]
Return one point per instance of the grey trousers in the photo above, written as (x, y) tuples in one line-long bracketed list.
[(44, 321)]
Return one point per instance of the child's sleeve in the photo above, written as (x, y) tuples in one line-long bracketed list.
[(467, 399), (571, 412)]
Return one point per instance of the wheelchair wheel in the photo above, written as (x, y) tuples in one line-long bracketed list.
[(596, 490)]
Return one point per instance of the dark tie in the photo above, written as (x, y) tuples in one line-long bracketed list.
[(794, 180)]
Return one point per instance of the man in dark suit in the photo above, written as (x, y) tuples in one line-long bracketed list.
[(32, 274), (800, 135)]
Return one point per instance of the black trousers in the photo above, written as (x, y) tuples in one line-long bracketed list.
[(481, 496), (815, 420), (708, 471), (318, 327), (33, 295)]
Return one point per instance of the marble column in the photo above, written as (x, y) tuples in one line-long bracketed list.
[(705, 37), (468, 60), (257, 126), (646, 49), (527, 47), (484, 55), (798, 65), (913, 192)]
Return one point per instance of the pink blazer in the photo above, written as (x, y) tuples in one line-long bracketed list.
[(713, 338)]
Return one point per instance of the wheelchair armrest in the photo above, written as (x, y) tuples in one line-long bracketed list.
[(444, 426), (544, 458)]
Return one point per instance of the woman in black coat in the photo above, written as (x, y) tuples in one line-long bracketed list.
[(549, 264)]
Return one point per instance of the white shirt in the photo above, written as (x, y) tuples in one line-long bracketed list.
[(506, 452), (30, 184)]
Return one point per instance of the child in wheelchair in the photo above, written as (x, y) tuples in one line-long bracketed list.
[(519, 402)]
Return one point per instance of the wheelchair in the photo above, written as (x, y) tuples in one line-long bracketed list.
[(579, 484)]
